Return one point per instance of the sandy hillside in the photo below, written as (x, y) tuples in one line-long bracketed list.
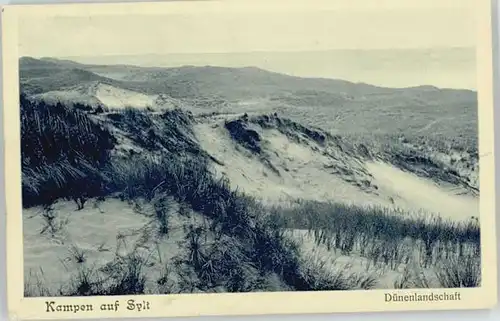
[(57, 251), (269, 158), (288, 170), (101, 94)]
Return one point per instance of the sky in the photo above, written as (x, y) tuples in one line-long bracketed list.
[(403, 42)]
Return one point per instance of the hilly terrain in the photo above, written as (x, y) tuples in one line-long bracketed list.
[(339, 106), (210, 179)]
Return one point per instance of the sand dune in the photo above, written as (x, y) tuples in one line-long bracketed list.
[(410, 191)]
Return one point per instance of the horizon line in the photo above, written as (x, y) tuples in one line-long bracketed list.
[(242, 67)]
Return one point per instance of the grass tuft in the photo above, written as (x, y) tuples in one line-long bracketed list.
[(464, 272)]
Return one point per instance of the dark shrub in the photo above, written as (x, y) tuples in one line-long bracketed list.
[(62, 152)]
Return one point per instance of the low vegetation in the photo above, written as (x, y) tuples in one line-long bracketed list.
[(391, 238), (63, 153)]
